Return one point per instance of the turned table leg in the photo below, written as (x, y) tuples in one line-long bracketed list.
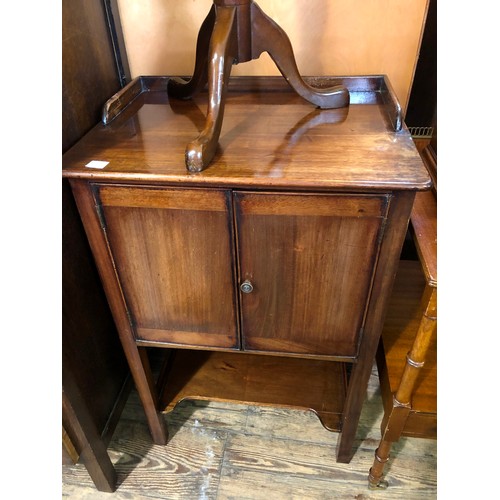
[(394, 422)]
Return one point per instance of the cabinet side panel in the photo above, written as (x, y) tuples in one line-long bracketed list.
[(310, 260), (174, 263)]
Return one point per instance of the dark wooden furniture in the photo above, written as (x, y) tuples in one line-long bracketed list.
[(237, 31), (267, 275), (407, 356), (95, 374)]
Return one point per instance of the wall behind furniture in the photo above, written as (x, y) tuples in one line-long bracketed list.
[(329, 37)]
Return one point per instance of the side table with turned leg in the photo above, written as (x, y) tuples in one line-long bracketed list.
[(412, 411)]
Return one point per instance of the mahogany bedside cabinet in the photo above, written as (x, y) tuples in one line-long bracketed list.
[(266, 276)]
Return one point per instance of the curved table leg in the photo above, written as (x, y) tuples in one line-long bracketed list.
[(222, 53), (225, 23), (181, 89), (268, 37)]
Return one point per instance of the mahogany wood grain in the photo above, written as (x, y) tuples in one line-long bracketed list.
[(168, 199), (394, 235), (424, 228), (314, 210), (173, 253), (259, 146), (89, 338), (86, 203), (311, 261), (312, 205), (373, 89), (262, 380)]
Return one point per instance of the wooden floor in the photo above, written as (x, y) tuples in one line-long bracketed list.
[(227, 451)]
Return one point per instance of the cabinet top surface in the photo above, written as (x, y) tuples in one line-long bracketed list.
[(269, 139)]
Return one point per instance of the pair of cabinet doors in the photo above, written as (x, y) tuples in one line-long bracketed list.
[(306, 261)]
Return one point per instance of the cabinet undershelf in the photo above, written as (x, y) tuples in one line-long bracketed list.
[(311, 384), (402, 321)]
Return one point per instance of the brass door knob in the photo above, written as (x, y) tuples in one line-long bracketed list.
[(246, 287)]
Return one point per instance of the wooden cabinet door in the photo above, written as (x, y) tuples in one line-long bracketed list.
[(173, 253), (310, 260)]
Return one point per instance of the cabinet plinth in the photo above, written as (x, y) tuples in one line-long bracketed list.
[(275, 263)]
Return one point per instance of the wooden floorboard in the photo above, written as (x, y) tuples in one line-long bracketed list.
[(225, 451)]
